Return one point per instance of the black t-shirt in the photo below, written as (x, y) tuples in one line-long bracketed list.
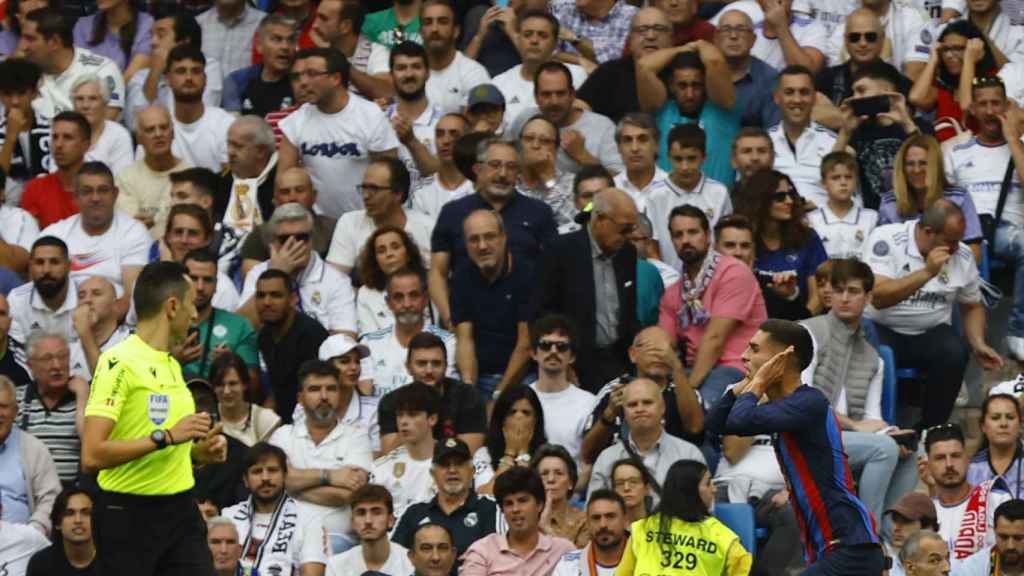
[(9, 366), (52, 562), (836, 82), (462, 411), (260, 97), (284, 357), (475, 519), (876, 147), (611, 89)]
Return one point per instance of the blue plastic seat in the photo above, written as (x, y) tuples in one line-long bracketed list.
[(740, 519)]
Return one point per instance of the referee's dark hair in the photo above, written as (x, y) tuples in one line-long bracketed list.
[(157, 282), (316, 367), (261, 450), (50, 241), (518, 479)]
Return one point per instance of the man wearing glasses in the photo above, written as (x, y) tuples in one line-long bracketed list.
[(752, 78), (908, 36), (590, 276)]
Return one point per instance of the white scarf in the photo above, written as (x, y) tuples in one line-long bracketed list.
[(243, 212), (275, 554)]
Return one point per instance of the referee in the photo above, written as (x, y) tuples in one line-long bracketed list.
[(142, 435)]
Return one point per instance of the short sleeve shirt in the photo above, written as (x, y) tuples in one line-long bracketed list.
[(892, 252), (803, 260), (889, 214), (980, 170), (125, 243), (355, 228), (325, 293), (843, 237), (141, 389), (710, 195), (231, 330), (801, 160), (386, 363)]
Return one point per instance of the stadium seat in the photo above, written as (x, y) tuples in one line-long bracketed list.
[(740, 519)]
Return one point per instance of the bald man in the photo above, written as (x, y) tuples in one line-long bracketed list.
[(652, 357), (644, 409), (97, 324), (291, 185), (872, 45), (752, 78), (590, 276)]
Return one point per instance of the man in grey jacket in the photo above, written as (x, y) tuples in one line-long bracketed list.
[(27, 470)]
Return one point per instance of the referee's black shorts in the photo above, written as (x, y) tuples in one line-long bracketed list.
[(150, 536)]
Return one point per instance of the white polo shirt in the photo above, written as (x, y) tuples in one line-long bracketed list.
[(710, 195), (79, 362), (18, 227), (431, 195), (355, 228), (449, 88), (518, 91), (386, 363), (325, 293), (843, 237), (423, 129), (125, 243), (803, 164), (408, 479), (55, 91), (906, 29), (639, 195), (892, 252), (30, 314), (980, 169)]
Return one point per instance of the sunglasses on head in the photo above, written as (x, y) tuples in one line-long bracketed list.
[(987, 81), (855, 37), (547, 345)]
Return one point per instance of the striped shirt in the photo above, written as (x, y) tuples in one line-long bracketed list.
[(54, 427)]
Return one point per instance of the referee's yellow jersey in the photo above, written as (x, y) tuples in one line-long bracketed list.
[(706, 548), (141, 389)]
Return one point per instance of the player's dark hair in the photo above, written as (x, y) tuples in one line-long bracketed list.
[(788, 333)]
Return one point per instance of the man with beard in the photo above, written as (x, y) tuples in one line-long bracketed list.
[(714, 309), (798, 142), (97, 325), (265, 87), (1006, 557), (432, 552), (407, 298), (965, 512), (413, 115), (524, 549), (530, 223), (328, 460), (200, 130), (73, 550), (452, 73), (287, 339), (385, 192), (491, 307), (280, 536), (50, 198), (371, 519), (650, 31), (587, 138), (751, 151), (468, 517), (606, 521), (590, 277), (46, 303), (652, 357), (448, 183)]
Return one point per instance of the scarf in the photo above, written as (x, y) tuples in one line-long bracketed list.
[(691, 309), (274, 554), (970, 535), (243, 211)]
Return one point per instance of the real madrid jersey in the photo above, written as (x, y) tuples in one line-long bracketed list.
[(386, 363), (843, 237), (710, 195), (408, 479)]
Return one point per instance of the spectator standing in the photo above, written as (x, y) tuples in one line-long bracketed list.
[(73, 552)]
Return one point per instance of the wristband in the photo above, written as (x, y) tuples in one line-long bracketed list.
[(324, 478), (170, 439)]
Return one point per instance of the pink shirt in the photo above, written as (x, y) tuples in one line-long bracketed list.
[(491, 556), (733, 293)]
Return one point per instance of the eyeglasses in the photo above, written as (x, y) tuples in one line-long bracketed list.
[(624, 227), (547, 345), (781, 196), (734, 30), (656, 28), (48, 358), (855, 37), (299, 237), (308, 74), (948, 426), (371, 189)]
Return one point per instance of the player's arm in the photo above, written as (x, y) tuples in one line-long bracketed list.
[(747, 417)]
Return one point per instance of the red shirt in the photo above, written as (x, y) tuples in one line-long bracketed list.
[(305, 37), (46, 199)]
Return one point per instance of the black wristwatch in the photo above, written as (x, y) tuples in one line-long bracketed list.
[(160, 438)]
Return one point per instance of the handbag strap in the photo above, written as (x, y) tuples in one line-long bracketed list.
[(1004, 191)]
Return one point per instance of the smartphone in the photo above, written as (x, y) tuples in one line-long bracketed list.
[(193, 330), (908, 441), (870, 106)]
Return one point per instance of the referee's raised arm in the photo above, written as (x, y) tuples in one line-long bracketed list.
[(142, 435)]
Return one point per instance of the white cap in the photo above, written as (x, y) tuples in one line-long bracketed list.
[(339, 345), (1013, 387)]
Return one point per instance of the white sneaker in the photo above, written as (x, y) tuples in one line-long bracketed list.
[(1015, 347)]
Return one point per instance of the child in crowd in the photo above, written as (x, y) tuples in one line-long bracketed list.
[(842, 226)]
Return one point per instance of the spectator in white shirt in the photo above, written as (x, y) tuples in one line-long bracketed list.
[(111, 142), (48, 302), (387, 250), (448, 183), (385, 189), (784, 38), (843, 226), (335, 134), (637, 137), (200, 130), (325, 294), (452, 73), (339, 23), (372, 519), (328, 460), (1005, 38), (413, 115)]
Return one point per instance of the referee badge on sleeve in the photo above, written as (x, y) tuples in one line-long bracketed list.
[(159, 406)]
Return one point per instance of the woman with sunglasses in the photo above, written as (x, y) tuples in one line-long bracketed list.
[(918, 180), (516, 431), (1001, 454), (960, 56), (388, 250), (788, 249)]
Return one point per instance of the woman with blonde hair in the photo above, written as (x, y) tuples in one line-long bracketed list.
[(918, 180)]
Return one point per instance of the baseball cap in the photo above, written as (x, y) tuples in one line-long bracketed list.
[(339, 345), (450, 447), (915, 506), (485, 94), (1013, 387)]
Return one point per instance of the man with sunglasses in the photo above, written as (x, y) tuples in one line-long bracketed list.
[(590, 276), (903, 29)]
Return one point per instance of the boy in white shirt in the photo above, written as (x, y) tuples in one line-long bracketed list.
[(372, 519), (405, 471), (842, 225)]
